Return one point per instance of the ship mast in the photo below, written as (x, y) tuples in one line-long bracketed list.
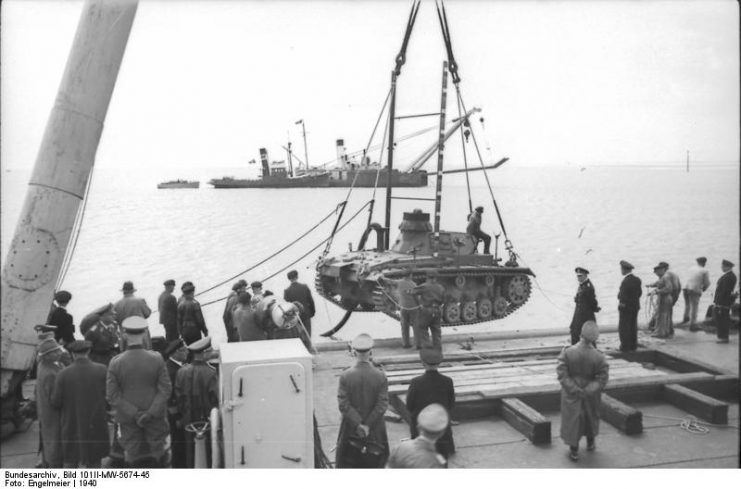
[(400, 59), (440, 148)]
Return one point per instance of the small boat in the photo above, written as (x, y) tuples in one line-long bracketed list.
[(179, 184)]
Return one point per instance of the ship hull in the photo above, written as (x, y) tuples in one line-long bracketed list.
[(167, 185), (335, 178)]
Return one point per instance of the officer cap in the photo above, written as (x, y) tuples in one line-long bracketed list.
[(169, 282), (134, 325), (431, 356), (79, 346), (44, 328), (702, 260), (433, 418), (590, 331), (727, 263), (479, 209), (256, 284), (581, 270), (200, 345), (625, 264), (48, 346), (128, 286), (63, 297), (292, 275), (103, 309), (362, 342), (237, 286), (187, 287), (661, 265)]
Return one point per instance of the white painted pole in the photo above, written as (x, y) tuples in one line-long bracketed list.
[(57, 185)]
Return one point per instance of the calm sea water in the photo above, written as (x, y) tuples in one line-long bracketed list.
[(557, 218)]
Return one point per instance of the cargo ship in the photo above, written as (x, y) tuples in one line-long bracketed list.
[(179, 184)]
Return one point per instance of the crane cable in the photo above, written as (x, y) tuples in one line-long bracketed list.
[(76, 230)]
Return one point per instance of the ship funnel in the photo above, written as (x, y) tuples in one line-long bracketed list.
[(341, 152), (414, 231), (265, 164)]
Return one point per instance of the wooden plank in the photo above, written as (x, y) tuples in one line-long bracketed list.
[(679, 362), (623, 417), (526, 420), (477, 354), (705, 407), (725, 387)]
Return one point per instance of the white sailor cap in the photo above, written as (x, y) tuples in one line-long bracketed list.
[(362, 342), (201, 345), (134, 325), (433, 418)]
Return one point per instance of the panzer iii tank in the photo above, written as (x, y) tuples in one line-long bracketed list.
[(477, 287)]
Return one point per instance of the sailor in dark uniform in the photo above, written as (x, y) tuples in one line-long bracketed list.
[(586, 304), (363, 398), (628, 305), (432, 387), (196, 393), (60, 318), (723, 300), (298, 292)]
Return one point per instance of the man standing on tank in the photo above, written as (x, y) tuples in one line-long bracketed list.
[(474, 228), (168, 308), (430, 297), (586, 304)]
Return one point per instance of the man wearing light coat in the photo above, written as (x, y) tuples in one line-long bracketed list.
[(583, 373)]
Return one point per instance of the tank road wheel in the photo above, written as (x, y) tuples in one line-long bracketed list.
[(499, 307), (518, 289), (452, 312), (460, 281), (485, 308), (489, 280), (469, 311)]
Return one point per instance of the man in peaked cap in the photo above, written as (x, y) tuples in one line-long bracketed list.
[(167, 305), (629, 302), (79, 393), (363, 398), (196, 393), (50, 427), (474, 228), (298, 292), (583, 373), (60, 318), (723, 300), (432, 387), (104, 336), (232, 299), (420, 453), (138, 387), (698, 281), (191, 324), (586, 304)]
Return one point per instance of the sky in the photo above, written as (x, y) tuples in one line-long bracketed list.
[(206, 84)]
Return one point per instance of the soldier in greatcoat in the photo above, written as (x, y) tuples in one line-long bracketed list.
[(168, 311), (50, 422), (586, 304), (196, 392), (138, 387), (432, 387), (79, 393), (420, 453), (298, 292), (363, 398), (628, 305), (583, 373)]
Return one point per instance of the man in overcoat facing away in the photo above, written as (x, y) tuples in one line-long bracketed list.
[(583, 373), (363, 398), (138, 387), (432, 387), (298, 292), (50, 422), (168, 308), (79, 393), (629, 302), (586, 304)]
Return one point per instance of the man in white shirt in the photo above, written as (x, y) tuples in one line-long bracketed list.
[(697, 282)]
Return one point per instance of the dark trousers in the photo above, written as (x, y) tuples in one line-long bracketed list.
[(485, 238), (628, 329), (171, 331), (409, 319), (428, 325), (722, 321)]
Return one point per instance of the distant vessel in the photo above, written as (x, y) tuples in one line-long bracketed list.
[(179, 184)]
